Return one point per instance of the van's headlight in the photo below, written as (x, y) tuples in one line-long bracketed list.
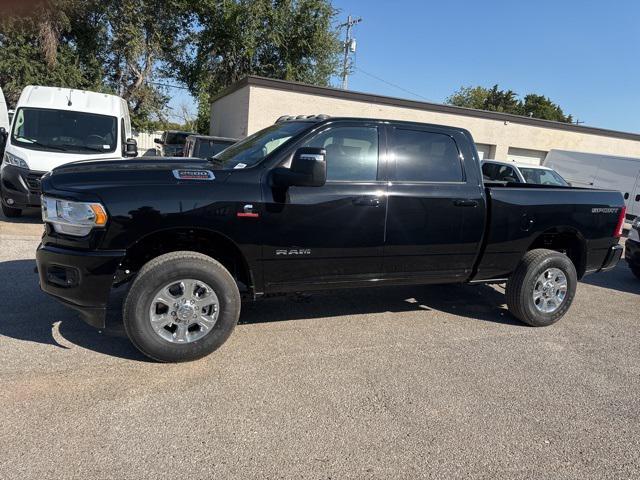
[(11, 159), (73, 218)]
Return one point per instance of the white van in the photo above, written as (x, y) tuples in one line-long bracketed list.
[(606, 172), (53, 126)]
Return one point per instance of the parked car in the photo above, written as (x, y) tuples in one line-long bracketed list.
[(304, 205), (632, 248), (204, 146), (496, 171), (53, 126), (607, 172), (172, 142)]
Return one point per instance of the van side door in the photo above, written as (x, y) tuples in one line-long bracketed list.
[(436, 205)]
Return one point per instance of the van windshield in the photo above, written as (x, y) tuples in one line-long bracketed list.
[(64, 131), (252, 150)]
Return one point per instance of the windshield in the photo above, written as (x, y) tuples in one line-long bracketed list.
[(252, 150), (542, 176), (65, 131)]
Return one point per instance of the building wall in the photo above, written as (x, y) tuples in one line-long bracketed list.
[(251, 107), (267, 104), (230, 115)]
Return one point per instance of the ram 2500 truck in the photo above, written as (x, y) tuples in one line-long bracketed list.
[(305, 204)]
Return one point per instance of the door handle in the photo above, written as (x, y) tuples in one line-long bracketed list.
[(465, 203), (367, 201)]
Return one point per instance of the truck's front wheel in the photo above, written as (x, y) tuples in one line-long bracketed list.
[(181, 306), (541, 289)]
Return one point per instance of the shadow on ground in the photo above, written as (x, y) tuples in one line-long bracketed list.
[(33, 316), (620, 278)]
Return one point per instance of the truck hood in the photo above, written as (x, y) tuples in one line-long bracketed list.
[(91, 175), (44, 161)]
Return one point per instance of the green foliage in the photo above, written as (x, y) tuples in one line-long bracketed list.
[(285, 39), (131, 47), (496, 100)]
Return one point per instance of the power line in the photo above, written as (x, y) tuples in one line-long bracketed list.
[(160, 84), (393, 85)]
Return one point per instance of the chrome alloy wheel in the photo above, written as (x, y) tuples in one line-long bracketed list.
[(184, 311), (550, 290)]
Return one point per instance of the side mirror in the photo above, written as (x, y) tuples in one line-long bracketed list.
[(158, 141), (131, 148), (308, 169)]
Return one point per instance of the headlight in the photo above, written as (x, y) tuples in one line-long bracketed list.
[(73, 218), (11, 159)]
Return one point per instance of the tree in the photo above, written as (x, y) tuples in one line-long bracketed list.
[(286, 39), (496, 100), (539, 106), (37, 48), (115, 46)]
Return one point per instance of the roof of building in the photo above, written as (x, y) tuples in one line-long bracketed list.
[(419, 105)]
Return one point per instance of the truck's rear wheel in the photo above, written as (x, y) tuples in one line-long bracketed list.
[(635, 270), (10, 212), (181, 306), (542, 288)]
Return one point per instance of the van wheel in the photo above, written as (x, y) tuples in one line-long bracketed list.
[(10, 212), (542, 288), (181, 306)]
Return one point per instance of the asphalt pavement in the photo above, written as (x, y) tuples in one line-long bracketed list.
[(402, 382)]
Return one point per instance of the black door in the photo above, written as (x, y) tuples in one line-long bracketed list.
[(436, 209), (317, 236)]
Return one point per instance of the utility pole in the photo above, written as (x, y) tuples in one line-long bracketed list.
[(349, 47)]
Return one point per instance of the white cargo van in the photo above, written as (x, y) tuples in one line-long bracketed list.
[(53, 126), (607, 172)]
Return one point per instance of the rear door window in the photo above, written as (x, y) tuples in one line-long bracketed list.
[(423, 156)]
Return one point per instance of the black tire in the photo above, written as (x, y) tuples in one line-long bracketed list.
[(522, 282), (10, 212), (635, 270), (157, 273)]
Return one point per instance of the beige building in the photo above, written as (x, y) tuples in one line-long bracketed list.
[(255, 102)]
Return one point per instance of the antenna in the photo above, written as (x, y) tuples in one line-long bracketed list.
[(349, 47)]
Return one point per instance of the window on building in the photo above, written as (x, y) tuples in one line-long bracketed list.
[(426, 157)]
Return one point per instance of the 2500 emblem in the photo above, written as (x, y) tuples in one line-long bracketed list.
[(604, 210), (294, 251)]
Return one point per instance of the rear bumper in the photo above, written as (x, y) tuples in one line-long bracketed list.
[(81, 280), (612, 258), (20, 188), (632, 253)]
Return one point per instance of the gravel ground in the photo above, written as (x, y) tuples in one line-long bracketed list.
[(406, 382)]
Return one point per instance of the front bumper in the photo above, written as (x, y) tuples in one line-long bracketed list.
[(21, 186), (612, 258), (632, 253), (80, 279)]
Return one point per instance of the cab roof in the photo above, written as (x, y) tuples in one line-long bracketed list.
[(59, 98)]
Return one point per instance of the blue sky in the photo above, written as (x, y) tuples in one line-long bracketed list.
[(584, 55)]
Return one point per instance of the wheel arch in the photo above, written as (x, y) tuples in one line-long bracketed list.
[(201, 240), (567, 240)]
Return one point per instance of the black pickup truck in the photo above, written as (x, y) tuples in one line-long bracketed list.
[(310, 203)]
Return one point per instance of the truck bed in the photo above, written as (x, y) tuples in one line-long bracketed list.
[(524, 215)]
